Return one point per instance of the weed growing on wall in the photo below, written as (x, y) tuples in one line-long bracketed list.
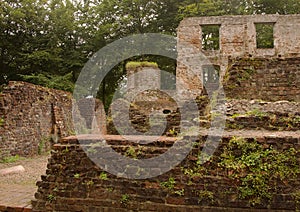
[(103, 176), (2, 121), (258, 170), (296, 196), (205, 195), (51, 197), (77, 175), (170, 184), (179, 192), (124, 199), (42, 146), (256, 112), (134, 65)]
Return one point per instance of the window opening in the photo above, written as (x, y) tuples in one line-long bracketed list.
[(168, 81), (264, 35), (211, 74), (210, 37)]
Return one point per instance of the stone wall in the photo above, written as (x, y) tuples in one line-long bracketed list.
[(74, 183), (263, 174), (237, 39), (251, 169), (32, 118), (270, 79)]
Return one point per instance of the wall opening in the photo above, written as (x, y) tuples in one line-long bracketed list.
[(168, 81), (211, 74), (210, 37), (264, 35)]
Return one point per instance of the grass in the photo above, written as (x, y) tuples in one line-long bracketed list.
[(11, 159), (135, 64)]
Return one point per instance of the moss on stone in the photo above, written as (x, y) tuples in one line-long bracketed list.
[(136, 64)]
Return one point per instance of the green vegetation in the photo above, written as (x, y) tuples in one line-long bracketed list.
[(56, 38), (255, 112), (51, 81), (246, 74), (296, 196), (134, 65), (66, 150), (77, 175), (124, 199), (179, 192), (194, 172), (258, 169), (110, 189), (51, 197), (103, 176), (90, 183), (11, 159), (172, 132), (132, 152), (205, 195), (264, 37), (2, 121), (170, 184), (42, 145), (210, 37)]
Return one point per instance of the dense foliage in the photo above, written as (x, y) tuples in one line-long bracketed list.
[(42, 40)]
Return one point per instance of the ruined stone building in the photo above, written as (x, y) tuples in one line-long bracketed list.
[(265, 42), (255, 165)]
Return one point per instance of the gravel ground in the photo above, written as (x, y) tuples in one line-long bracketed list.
[(34, 168)]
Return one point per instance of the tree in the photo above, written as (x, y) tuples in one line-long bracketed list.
[(21, 27), (283, 7), (54, 38)]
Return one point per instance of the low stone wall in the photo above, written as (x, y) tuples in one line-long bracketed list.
[(74, 183), (32, 117), (270, 79), (240, 114)]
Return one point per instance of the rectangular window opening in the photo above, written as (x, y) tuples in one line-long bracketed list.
[(211, 74), (168, 81), (264, 35), (210, 37)]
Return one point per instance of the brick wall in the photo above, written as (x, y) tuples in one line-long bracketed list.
[(32, 117), (237, 39), (270, 79), (74, 183)]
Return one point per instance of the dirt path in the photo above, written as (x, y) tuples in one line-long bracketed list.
[(17, 190), (34, 168)]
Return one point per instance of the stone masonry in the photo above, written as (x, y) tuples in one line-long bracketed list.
[(237, 39), (255, 165), (32, 117)]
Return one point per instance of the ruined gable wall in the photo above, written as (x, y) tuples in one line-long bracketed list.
[(32, 117), (237, 40)]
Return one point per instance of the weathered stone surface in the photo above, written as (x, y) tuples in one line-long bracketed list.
[(270, 79), (238, 40), (32, 117), (77, 183)]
